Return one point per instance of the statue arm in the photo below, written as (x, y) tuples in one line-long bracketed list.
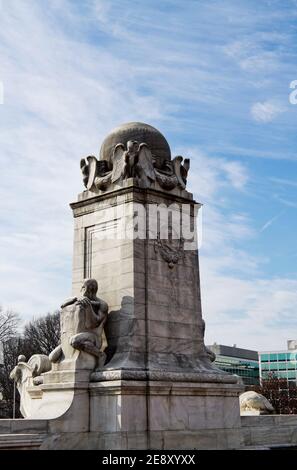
[(70, 301), (103, 310), (97, 313)]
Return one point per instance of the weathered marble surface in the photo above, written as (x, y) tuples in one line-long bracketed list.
[(171, 405), (255, 432), (127, 414), (269, 431), (25, 375), (155, 321)]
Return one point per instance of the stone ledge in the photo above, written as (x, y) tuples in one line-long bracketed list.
[(136, 194), (269, 420), (21, 441), (165, 376), (150, 388), (157, 440), (269, 430), (15, 426)]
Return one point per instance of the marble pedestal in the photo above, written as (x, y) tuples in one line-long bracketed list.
[(165, 415), (151, 282), (158, 388), (129, 415)]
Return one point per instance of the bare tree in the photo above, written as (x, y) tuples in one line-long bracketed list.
[(8, 324), (43, 334), (40, 336), (9, 321), (12, 348)]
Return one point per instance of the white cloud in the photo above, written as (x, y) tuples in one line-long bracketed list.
[(236, 173), (211, 174), (253, 55), (255, 313), (266, 111), (240, 304), (260, 62)]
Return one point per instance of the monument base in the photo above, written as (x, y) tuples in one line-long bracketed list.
[(156, 415), (257, 432)]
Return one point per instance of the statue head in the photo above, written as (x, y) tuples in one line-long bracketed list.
[(132, 146), (22, 358), (89, 288)]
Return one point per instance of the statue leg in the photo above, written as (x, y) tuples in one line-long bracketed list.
[(85, 342), (56, 354)]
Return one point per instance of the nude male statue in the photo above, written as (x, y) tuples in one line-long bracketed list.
[(82, 322)]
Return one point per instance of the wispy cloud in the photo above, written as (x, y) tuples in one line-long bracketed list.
[(284, 182), (266, 111), (286, 202), (255, 306), (240, 304)]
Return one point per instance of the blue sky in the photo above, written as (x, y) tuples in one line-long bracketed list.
[(214, 77)]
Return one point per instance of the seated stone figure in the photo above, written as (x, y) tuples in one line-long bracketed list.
[(82, 322), (81, 350)]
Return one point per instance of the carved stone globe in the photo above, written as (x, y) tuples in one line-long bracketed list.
[(140, 132)]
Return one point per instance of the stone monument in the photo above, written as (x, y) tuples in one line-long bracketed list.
[(132, 370)]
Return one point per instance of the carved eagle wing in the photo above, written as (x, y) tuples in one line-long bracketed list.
[(145, 161), (118, 162), (92, 169)]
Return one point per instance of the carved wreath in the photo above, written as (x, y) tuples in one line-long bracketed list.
[(170, 253)]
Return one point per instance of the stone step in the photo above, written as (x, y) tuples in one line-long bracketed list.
[(270, 447), (21, 441), (23, 426)]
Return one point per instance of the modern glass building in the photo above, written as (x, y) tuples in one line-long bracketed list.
[(242, 362), (282, 364)]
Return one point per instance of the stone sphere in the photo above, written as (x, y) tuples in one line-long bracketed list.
[(22, 358), (140, 132)]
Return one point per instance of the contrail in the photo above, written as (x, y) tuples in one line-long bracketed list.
[(270, 222)]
